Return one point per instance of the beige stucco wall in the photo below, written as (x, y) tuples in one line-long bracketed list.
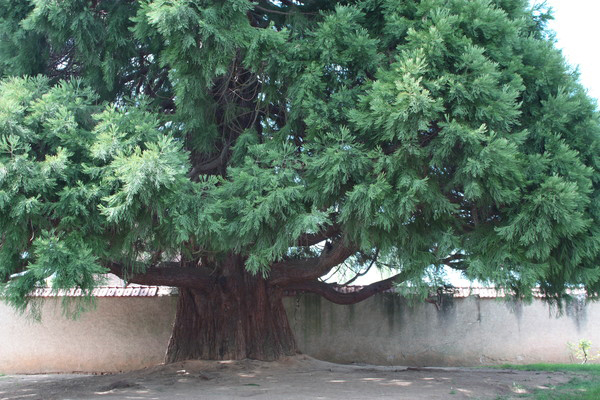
[(130, 333), (465, 331), (120, 334)]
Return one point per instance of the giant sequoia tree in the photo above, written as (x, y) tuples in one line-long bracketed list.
[(238, 149)]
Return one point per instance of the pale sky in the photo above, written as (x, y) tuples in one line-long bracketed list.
[(578, 33)]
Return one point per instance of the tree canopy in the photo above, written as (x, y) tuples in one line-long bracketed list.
[(157, 138)]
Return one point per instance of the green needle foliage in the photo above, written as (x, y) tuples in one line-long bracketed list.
[(420, 133)]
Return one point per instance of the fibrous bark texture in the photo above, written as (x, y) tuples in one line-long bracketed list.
[(239, 317)]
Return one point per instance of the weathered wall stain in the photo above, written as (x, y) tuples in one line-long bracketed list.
[(311, 306), (576, 309), (387, 329)]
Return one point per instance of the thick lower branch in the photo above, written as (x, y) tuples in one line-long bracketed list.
[(165, 276), (291, 271), (330, 293)]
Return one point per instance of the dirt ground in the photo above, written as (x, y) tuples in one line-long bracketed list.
[(294, 378)]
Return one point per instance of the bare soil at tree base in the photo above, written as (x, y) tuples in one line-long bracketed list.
[(293, 378)]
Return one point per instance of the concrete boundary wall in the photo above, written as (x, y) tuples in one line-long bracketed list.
[(131, 333), (120, 334), (388, 330)]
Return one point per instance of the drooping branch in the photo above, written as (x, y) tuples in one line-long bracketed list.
[(166, 274), (310, 239), (329, 292), (298, 270)]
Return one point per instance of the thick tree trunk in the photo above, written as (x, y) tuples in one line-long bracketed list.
[(240, 317)]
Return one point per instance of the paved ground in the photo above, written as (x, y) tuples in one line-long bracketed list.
[(294, 378)]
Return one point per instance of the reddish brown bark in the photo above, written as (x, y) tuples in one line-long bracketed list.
[(241, 316)]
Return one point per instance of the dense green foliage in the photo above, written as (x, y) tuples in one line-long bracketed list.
[(426, 132)]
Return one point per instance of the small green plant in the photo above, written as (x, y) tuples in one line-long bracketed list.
[(582, 351), (517, 387)]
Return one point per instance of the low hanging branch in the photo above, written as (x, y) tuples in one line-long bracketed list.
[(329, 292), (167, 274), (291, 271)]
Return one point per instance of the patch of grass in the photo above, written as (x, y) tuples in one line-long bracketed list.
[(577, 389), (585, 386), (593, 369)]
